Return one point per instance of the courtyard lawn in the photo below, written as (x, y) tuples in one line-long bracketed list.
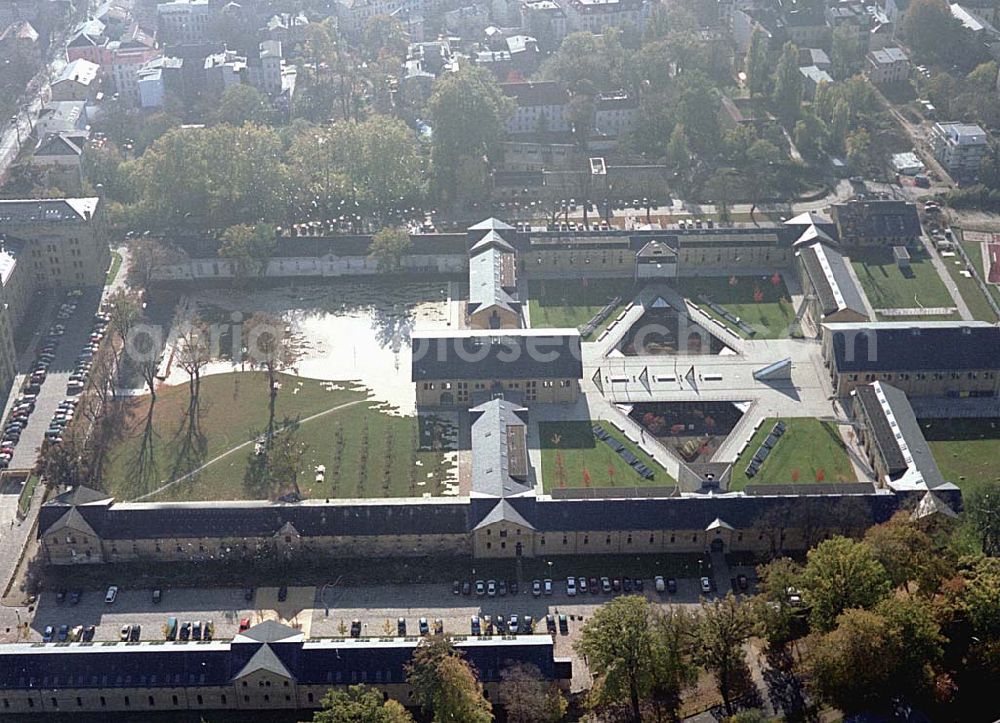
[(809, 452), (974, 250), (572, 457), (887, 287), (357, 441), (571, 303), (756, 300), (965, 449), (116, 264), (970, 290)]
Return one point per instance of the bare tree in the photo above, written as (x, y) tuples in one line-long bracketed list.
[(193, 355), (268, 344), (148, 256), (125, 311)]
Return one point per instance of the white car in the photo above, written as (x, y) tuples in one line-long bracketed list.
[(659, 584), (547, 586), (706, 585), (111, 595), (571, 586)]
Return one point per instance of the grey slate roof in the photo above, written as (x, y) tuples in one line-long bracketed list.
[(500, 464), (828, 272), (264, 659), (876, 219), (491, 224), (491, 238), (497, 354), (47, 210), (881, 430), (138, 521), (927, 346), (504, 511), (486, 284), (902, 425)]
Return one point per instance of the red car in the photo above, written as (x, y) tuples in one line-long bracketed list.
[(244, 624)]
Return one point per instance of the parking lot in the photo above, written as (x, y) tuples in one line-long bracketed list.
[(327, 611), (77, 327)]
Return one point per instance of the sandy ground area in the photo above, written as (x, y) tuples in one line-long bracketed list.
[(355, 331)]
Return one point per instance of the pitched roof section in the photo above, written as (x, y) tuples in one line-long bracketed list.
[(809, 218), (504, 512), (270, 631), (72, 520), (47, 210), (497, 354), (491, 224), (500, 465), (491, 238), (491, 279), (946, 346), (876, 219), (265, 659), (832, 280)]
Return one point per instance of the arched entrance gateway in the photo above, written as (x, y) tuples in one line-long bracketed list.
[(719, 534)]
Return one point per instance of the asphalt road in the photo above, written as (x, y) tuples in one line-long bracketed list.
[(53, 389)]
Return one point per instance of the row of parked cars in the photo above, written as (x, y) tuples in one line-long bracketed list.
[(516, 625), (84, 361), (187, 630), (17, 420), (66, 634)]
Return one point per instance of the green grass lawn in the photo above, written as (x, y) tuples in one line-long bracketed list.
[(756, 300), (970, 290), (116, 263), (367, 451), (588, 462), (975, 252), (887, 287), (966, 450), (807, 447), (559, 303)]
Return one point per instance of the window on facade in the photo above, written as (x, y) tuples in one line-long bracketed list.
[(201, 700), (151, 701), (79, 702)]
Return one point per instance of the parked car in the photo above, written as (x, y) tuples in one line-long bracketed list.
[(244, 624), (355, 628), (111, 595), (491, 588), (125, 632), (456, 588), (512, 625), (209, 630), (48, 634), (439, 626), (63, 633), (627, 584), (581, 585), (563, 624), (480, 588), (135, 633), (659, 584), (88, 633), (637, 582), (513, 587), (605, 585), (671, 585), (706, 585), (475, 626), (571, 586), (466, 588), (422, 626), (550, 623), (157, 596), (61, 596), (282, 593), (401, 627), (527, 625), (547, 586), (616, 585), (185, 632), (743, 582), (536, 588), (196, 630)]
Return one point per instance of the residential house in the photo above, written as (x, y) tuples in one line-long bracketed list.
[(185, 21), (78, 80), (545, 20), (812, 77), (67, 116), (88, 42), (541, 107), (881, 222), (960, 147), (889, 65), (58, 156), (596, 16)]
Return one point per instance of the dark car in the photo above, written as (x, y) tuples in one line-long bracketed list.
[(48, 634), (563, 624), (638, 584), (593, 585), (743, 582), (88, 633), (355, 628), (282, 593), (157, 596), (513, 587), (185, 630), (627, 584), (401, 626), (474, 625), (550, 623), (423, 627), (456, 588), (616, 585), (63, 633), (61, 596), (196, 630), (671, 585), (528, 625), (135, 633), (502, 588), (466, 588)]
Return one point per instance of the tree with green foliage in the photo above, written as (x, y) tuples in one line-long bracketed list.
[(810, 136), (908, 554), (679, 152), (581, 63), (778, 621), (241, 104), (618, 643), (845, 52), (249, 248), (786, 95), (389, 246), (697, 109), (935, 35), (723, 626), (468, 112), (641, 658), (841, 573), (360, 704), (982, 512), (528, 697), (758, 67), (859, 150), (445, 685)]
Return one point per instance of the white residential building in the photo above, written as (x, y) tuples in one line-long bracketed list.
[(960, 147), (596, 16), (539, 107), (185, 21)]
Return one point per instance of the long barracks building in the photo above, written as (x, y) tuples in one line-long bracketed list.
[(268, 667)]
